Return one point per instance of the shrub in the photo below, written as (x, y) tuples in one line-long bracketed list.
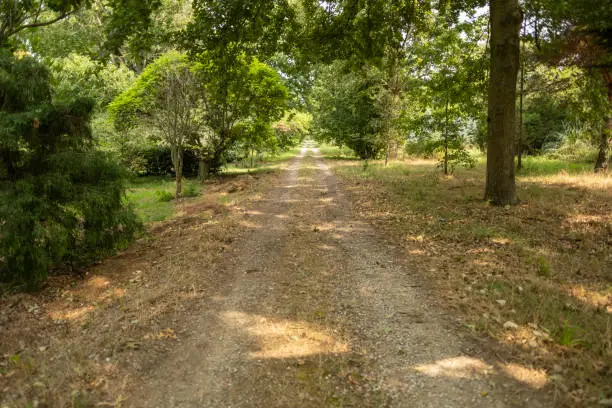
[(191, 191), (164, 196), (70, 214), (157, 161)]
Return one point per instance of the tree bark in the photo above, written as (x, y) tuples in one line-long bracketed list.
[(506, 18), (177, 162), (519, 145), (202, 169), (387, 155), (446, 140), (603, 158)]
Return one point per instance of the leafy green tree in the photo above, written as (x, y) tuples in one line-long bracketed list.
[(62, 202), (220, 113), (451, 64), (123, 19), (168, 93), (239, 103), (577, 32), (346, 111)]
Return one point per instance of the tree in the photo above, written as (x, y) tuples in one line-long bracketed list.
[(451, 68), (124, 17), (239, 103), (62, 202), (217, 108), (17, 16), (347, 109), (576, 32), (169, 93), (506, 21)]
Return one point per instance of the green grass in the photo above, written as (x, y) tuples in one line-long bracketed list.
[(335, 152), (270, 163), (148, 196), (542, 166), (152, 200)]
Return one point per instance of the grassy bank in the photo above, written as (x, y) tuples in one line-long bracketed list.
[(535, 277)]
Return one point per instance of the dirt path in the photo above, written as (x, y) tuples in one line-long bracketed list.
[(314, 309)]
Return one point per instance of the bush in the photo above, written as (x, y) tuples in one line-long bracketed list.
[(164, 196), (157, 161), (191, 191), (70, 214)]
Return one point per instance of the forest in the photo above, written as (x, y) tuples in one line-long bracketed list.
[(452, 126)]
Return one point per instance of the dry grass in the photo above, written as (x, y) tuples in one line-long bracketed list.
[(81, 342), (544, 265)]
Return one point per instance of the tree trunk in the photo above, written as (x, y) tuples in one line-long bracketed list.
[(446, 140), (519, 145), (506, 20), (202, 169), (603, 158), (387, 154), (177, 162)]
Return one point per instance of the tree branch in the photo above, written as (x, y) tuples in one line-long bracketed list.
[(43, 23)]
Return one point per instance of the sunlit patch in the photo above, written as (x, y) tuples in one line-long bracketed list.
[(586, 219), (71, 314), (456, 367), (284, 338), (530, 376), (254, 212), (416, 252), (98, 282), (482, 250), (586, 180), (501, 241), (591, 297), (115, 293), (415, 238), (326, 247), (249, 224)]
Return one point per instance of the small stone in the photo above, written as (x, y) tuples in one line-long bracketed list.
[(501, 302)]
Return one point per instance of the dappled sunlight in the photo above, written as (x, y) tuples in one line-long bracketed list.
[(249, 224), (97, 282), (501, 241), (254, 212), (71, 314), (586, 180), (455, 367), (530, 376), (464, 367), (592, 297), (481, 263), (587, 219), (279, 338)]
